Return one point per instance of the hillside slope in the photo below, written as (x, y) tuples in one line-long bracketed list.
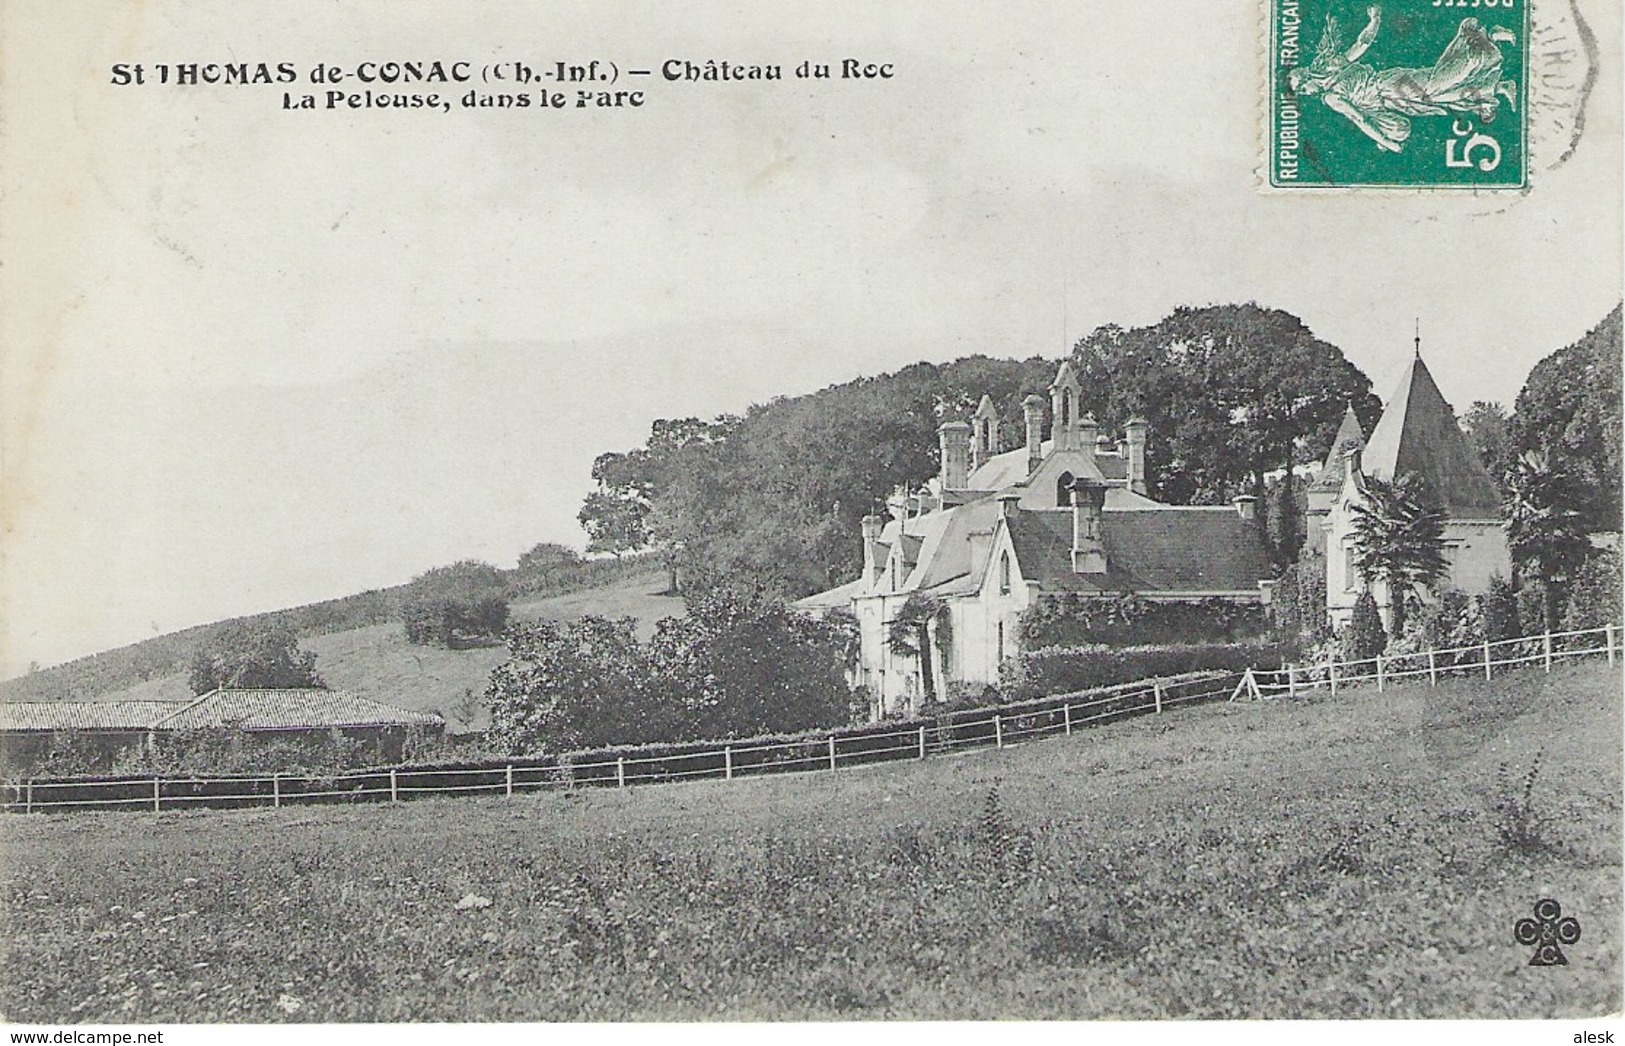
[(378, 663), (1352, 857)]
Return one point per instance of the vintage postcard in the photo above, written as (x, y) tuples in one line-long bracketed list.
[(528, 513)]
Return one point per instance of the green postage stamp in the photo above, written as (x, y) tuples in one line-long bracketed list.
[(1410, 94)]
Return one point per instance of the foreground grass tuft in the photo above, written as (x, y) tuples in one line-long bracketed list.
[(1359, 857)]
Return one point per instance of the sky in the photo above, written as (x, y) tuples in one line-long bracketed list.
[(253, 357)]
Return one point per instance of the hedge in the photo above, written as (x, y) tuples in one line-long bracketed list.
[(1059, 670)]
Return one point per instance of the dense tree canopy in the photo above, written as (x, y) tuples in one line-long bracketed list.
[(1232, 393), (733, 666), (245, 655), (1569, 410), (465, 603)]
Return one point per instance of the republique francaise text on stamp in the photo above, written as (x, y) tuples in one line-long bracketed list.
[(1417, 94)]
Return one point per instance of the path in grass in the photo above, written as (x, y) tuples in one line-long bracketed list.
[(1334, 857)]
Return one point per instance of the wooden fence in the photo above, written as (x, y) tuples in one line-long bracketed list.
[(978, 728), (1480, 658), (950, 732)]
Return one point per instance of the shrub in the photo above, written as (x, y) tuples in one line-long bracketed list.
[(1594, 595), (1498, 610), (464, 604), (1363, 638), (1451, 622), (1060, 670)]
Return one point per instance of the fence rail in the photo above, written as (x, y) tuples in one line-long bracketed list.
[(979, 728), (951, 732), (1478, 659)]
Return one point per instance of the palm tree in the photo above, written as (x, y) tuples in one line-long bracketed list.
[(1398, 540), (1545, 533), (909, 635)]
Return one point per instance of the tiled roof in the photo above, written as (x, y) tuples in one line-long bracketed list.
[(1418, 433), (50, 716), (1149, 551), (289, 710), (839, 596)]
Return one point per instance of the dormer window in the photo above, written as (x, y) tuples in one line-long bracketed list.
[(1063, 490)]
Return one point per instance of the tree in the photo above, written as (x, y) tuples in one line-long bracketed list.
[(573, 685), (1545, 527), (249, 656), (1399, 541), (546, 554), (909, 635), (462, 604), (745, 665), (1569, 410), (1487, 427)]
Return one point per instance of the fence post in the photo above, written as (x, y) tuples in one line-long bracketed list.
[(508, 781), (728, 762), (998, 732), (1291, 681), (1156, 695), (1068, 712), (620, 771), (1379, 673), (1486, 659), (922, 742), (28, 797), (157, 795), (832, 753), (276, 790), (1608, 632), (1433, 670), (394, 791), (1546, 649), (1331, 668)]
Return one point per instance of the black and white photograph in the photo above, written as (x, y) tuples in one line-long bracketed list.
[(557, 518)]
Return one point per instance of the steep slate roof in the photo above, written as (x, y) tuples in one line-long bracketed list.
[(50, 716), (1418, 433), (1001, 470), (1150, 551), (289, 710), (1330, 476)]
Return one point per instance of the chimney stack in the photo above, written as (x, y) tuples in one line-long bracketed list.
[(1136, 429), (1246, 506), (1088, 432), (953, 438), (871, 543), (1088, 536), (1032, 408)]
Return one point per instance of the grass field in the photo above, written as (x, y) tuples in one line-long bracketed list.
[(378, 663), (1357, 856)]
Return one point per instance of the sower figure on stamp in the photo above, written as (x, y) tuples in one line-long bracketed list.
[(1465, 79)]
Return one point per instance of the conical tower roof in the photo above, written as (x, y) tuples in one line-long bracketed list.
[(1331, 470), (1418, 433)]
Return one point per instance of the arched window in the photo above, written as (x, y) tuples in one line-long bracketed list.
[(1066, 407), (1063, 490), (1001, 641), (1004, 573)]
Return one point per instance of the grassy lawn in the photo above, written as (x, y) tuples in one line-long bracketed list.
[(378, 663), (1363, 856)]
